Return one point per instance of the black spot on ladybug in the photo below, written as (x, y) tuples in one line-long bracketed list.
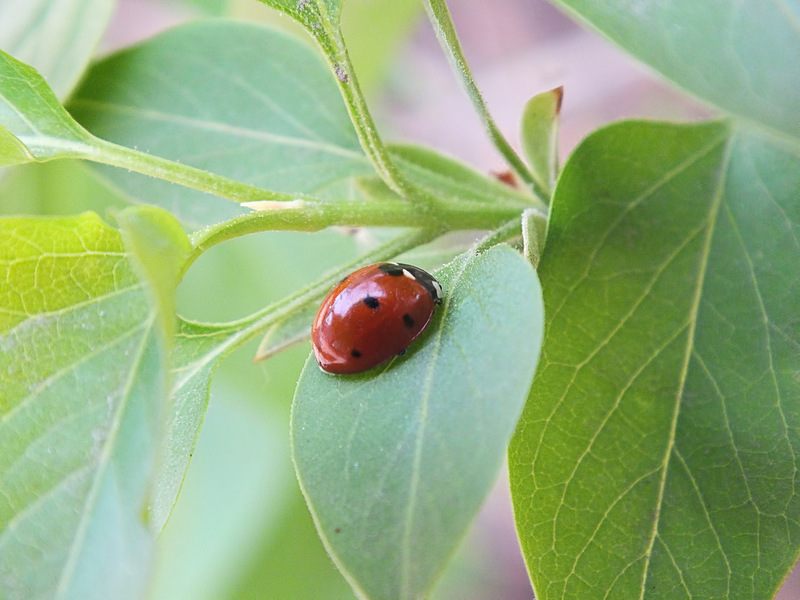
[(371, 302), (355, 353), (408, 320)]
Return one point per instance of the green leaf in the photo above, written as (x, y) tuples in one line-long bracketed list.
[(57, 37), (396, 462), (197, 349), (739, 56), (449, 178), (443, 176), (162, 250), (82, 380), (534, 234), (12, 151), (30, 111), (235, 99), (656, 456), (540, 137), (288, 332)]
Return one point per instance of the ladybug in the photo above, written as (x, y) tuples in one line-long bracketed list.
[(372, 315)]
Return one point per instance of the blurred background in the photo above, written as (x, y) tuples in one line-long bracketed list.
[(240, 529)]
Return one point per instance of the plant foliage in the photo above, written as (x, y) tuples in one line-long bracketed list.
[(626, 330)]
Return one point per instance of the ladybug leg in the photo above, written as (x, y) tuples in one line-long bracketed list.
[(403, 351)]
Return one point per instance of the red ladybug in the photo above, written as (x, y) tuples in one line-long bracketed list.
[(372, 315)]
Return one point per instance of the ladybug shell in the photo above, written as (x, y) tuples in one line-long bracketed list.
[(372, 315)]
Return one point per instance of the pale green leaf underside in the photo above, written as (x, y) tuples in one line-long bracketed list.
[(81, 380), (740, 56), (56, 37), (235, 99), (657, 455), (396, 462)]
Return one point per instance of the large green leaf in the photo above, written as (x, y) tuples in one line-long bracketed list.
[(56, 37), (239, 100), (656, 456), (396, 462), (740, 56), (82, 383)]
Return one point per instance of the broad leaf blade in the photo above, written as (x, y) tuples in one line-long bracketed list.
[(82, 380), (235, 99), (739, 56), (656, 452), (395, 464), (57, 37), (30, 111)]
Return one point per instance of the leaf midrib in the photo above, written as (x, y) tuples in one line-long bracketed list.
[(693, 314)]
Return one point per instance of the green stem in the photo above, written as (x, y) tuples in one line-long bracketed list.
[(335, 51), (315, 216), (439, 15), (108, 153)]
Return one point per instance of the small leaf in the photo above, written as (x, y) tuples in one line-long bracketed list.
[(31, 112), (12, 151), (197, 348), (540, 137), (396, 462), (57, 37), (534, 233), (656, 456), (443, 176), (450, 178), (161, 249), (82, 384)]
